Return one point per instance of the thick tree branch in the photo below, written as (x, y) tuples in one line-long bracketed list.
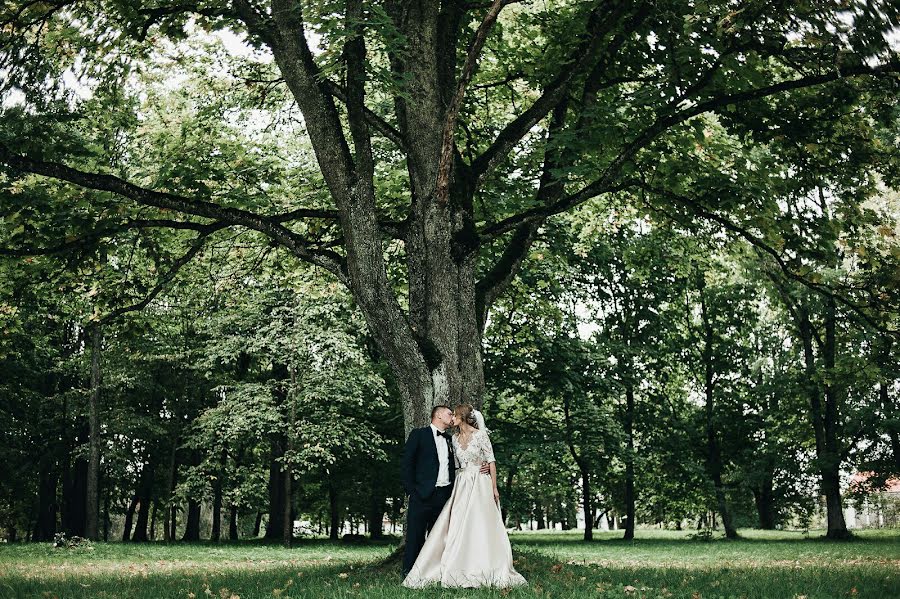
[(499, 277), (604, 183), (599, 26), (374, 121), (226, 215), (86, 241), (449, 130)]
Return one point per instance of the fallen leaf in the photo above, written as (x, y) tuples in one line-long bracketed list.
[(629, 589)]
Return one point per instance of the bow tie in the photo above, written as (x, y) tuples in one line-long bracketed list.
[(440, 434)]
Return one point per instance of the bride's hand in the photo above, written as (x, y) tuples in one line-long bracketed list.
[(496, 496)]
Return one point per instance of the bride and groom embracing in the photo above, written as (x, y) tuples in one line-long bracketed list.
[(452, 487)]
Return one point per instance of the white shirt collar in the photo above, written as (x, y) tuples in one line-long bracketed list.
[(436, 429)]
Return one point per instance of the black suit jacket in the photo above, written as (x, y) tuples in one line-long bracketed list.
[(420, 462)]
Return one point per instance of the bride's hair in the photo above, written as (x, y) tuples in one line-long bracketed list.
[(466, 413)]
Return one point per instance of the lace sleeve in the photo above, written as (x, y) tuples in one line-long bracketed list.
[(487, 451)]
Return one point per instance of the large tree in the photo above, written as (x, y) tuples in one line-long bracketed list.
[(502, 114)]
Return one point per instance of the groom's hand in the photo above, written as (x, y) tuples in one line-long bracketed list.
[(485, 468)]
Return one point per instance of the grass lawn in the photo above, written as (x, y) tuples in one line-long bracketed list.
[(657, 564)]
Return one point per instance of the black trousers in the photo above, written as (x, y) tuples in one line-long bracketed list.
[(420, 518)]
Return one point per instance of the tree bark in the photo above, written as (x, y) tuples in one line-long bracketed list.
[(92, 501)]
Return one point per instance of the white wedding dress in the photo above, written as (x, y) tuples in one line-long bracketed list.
[(468, 545)]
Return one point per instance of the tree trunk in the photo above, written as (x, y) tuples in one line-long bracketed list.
[(822, 417), (277, 445), (45, 520), (376, 510), (334, 512), (583, 467), (257, 524), (507, 488), (764, 498), (106, 521), (153, 511), (92, 500), (831, 465), (233, 524), (713, 449), (145, 495), (173, 521), (629, 461), (129, 517), (287, 536), (192, 525), (171, 517), (216, 532)]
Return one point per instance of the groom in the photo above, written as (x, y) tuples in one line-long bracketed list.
[(428, 468)]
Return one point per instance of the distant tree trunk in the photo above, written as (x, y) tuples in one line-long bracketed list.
[(106, 521), (216, 533), (764, 489), (129, 516), (192, 525), (629, 461), (256, 524), (825, 419), (376, 510), (764, 498), (45, 519), (145, 495), (713, 448), (287, 536), (173, 521), (831, 465), (92, 500), (583, 468), (153, 510), (233, 523), (334, 511), (278, 444), (171, 515), (507, 487), (539, 516)]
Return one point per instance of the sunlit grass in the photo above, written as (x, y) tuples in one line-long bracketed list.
[(658, 564)]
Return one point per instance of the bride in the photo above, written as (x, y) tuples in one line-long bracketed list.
[(468, 545)]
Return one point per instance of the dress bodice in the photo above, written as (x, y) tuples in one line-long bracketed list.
[(477, 451)]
